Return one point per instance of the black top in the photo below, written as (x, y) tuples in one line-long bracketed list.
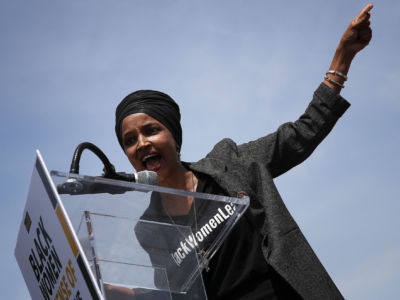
[(238, 270)]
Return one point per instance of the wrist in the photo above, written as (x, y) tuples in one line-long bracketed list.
[(339, 68), (342, 60)]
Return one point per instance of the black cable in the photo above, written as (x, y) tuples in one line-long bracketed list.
[(109, 169)]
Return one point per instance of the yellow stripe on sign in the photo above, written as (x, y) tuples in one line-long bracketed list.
[(67, 232)]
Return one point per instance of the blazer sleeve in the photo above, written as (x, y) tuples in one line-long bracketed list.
[(293, 142)]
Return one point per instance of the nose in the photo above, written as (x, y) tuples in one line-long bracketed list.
[(142, 142)]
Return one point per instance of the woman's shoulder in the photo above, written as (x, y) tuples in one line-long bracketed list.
[(226, 148)]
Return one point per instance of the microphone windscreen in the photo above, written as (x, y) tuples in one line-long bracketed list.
[(147, 177)]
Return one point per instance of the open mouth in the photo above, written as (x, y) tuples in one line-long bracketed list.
[(152, 162)]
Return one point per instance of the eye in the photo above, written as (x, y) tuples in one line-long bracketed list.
[(129, 141), (153, 130)]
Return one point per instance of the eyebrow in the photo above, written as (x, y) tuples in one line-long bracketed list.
[(149, 124)]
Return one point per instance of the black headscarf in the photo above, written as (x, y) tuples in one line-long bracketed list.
[(157, 105)]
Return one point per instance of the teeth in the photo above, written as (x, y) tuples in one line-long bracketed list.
[(147, 157)]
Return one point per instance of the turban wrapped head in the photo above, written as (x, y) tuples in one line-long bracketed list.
[(157, 105)]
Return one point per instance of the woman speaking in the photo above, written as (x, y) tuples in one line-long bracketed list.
[(265, 256)]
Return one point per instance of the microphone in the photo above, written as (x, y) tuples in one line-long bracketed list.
[(98, 186), (142, 177)]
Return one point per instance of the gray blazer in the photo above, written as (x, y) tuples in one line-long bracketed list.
[(251, 167)]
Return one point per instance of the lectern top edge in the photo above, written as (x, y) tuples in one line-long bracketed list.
[(146, 188)]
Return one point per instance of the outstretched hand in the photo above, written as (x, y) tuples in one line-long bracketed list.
[(359, 33)]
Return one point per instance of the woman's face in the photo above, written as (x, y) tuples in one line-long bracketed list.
[(149, 145)]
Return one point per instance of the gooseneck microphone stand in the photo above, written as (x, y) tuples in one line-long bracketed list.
[(109, 169)]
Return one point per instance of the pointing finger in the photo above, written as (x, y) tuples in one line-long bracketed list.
[(365, 11), (363, 16)]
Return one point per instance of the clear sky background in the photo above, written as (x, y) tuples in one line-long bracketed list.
[(238, 69)]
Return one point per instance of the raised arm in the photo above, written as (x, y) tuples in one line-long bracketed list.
[(293, 142)]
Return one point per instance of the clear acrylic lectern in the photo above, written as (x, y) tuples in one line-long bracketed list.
[(146, 242)]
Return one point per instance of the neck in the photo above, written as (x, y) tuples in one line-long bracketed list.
[(180, 179)]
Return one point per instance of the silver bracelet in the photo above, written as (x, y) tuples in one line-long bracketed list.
[(340, 74), (334, 82)]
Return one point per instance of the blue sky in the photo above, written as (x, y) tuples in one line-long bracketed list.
[(238, 69)]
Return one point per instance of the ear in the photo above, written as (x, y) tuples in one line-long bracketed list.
[(177, 148)]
